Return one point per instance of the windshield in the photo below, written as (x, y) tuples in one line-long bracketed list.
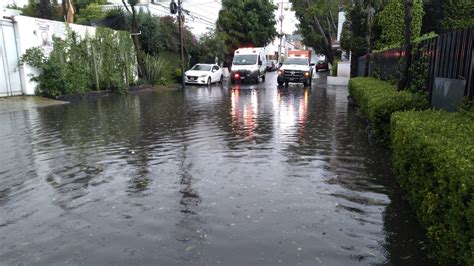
[(201, 67), (296, 61), (248, 59)]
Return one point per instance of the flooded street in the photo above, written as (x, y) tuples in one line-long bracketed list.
[(228, 175)]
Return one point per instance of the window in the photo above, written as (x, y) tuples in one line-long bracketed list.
[(245, 60)]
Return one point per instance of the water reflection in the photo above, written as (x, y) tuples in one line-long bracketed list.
[(291, 107), (244, 111)]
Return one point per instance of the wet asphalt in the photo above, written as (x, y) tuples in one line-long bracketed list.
[(247, 174)]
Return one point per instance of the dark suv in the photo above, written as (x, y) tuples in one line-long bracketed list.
[(322, 65)]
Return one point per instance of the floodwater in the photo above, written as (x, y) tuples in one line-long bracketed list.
[(242, 175)]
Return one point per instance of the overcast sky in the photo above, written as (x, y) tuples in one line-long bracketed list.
[(203, 13)]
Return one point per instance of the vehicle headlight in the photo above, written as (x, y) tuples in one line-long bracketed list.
[(202, 76), (306, 74), (280, 72)]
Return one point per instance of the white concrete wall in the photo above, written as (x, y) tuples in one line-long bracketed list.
[(344, 69), (35, 32), (340, 22)]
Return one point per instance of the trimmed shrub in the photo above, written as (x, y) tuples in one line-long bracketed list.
[(433, 159), (378, 99)]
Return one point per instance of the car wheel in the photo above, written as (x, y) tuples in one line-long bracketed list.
[(209, 82), (263, 78), (280, 83)]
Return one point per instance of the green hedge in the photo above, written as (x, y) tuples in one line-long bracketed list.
[(433, 159), (378, 99)]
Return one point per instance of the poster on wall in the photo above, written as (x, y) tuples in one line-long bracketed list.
[(45, 30)]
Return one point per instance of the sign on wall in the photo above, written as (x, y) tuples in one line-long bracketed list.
[(45, 30)]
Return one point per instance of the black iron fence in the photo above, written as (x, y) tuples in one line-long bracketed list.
[(448, 56)]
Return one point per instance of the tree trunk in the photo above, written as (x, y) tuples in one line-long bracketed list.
[(45, 9), (327, 41), (408, 46), (136, 41), (368, 41)]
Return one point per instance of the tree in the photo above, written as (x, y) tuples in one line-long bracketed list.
[(246, 22), (134, 30), (443, 16), (353, 36), (91, 13), (369, 10), (408, 44), (80, 4), (459, 14), (45, 9), (210, 46), (317, 24), (392, 22)]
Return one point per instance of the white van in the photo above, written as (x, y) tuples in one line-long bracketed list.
[(248, 64)]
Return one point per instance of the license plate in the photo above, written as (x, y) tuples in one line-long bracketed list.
[(242, 78)]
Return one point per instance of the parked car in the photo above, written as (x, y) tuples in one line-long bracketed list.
[(322, 65), (204, 74), (271, 65)]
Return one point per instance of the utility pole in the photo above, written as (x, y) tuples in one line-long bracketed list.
[(180, 25), (281, 32)]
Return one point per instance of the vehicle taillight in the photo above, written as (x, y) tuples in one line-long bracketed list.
[(236, 75)]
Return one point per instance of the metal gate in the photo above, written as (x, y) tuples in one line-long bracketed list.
[(10, 79)]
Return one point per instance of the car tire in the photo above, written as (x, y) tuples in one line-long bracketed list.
[(263, 78), (209, 82), (280, 83)]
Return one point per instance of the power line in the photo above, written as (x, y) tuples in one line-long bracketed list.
[(205, 20), (201, 9)]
